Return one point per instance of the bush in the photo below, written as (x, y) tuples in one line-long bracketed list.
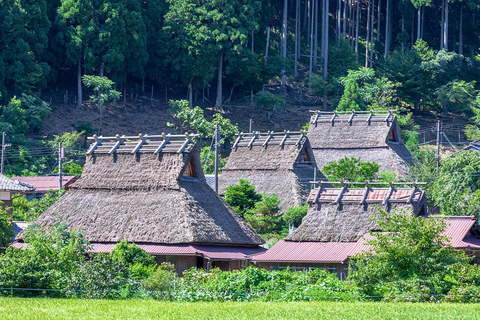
[(293, 216), (161, 283), (131, 254), (100, 278), (265, 100)]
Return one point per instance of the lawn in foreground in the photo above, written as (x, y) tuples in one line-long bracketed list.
[(18, 308)]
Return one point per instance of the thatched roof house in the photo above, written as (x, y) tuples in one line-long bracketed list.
[(370, 136), (151, 190), (280, 163), (337, 218)]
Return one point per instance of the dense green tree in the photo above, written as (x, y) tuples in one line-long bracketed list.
[(409, 248), (351, 169), (203, 35), (24, 27), (456, 187), (242, 197), (264, 217), (293, 216)]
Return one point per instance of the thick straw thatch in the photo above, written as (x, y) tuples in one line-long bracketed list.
[(149, 198), (370, 137), (348, 219), (284, 166)]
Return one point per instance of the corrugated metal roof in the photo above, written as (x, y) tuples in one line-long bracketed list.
[(318, 252), (210, 252), (10, 185), (44, 183), (375, 195), (458, 228)]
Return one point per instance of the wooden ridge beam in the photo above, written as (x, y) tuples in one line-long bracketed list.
[(115, 147), (139, 144), (265, 144), (163, 144)]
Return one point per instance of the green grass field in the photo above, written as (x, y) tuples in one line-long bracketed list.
[(17, 308)]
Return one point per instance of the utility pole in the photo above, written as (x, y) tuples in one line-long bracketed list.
[(61, 155), (250, 130), (216, 157), (438, 144), (3, 151)]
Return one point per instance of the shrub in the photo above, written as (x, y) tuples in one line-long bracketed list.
[(265, 100), (161, 283)]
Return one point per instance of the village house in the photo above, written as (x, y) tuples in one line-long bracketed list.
[(280, 163), (337, 219), (370, 136), (42, 184), (150, 190), (8, 187)]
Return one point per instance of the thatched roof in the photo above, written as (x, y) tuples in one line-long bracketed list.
[(148, 197), (280, 163), (371, 136), (344, 214)]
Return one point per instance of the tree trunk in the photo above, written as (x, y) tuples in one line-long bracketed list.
[(345, 19), (190, 94), (325, 42), (387, 29), (310, 69), (423, 22), (445, 29), (403, 29), (325, 49), (297, 35), (379, 19), (267, 45), (444, 107), (219, 100), (315, 35), (460, 35), (79, 83), (367, 37), (356, 27), (442, 26), (284, 42), (372, 26), (338, 30), (419, 15)]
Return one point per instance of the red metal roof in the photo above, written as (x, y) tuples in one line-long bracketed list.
[(319, 252), (42, 184), (375, 195), (209, 252), (457, 230)]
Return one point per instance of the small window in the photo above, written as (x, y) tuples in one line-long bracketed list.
[(392, 136), (190, 169)]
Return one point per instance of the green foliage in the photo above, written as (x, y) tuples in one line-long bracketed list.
[(103, 88), (294, 216), (264, 217), (458, 94), (160, 284), (351, 98), (194, 118), (207, 156), (456, 188), (6, 227), (102, 277), (265, 100), (24, 209), (351, 169), (242, 197), (131, 254), (253, 284), (408, 249), (52, 254)]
